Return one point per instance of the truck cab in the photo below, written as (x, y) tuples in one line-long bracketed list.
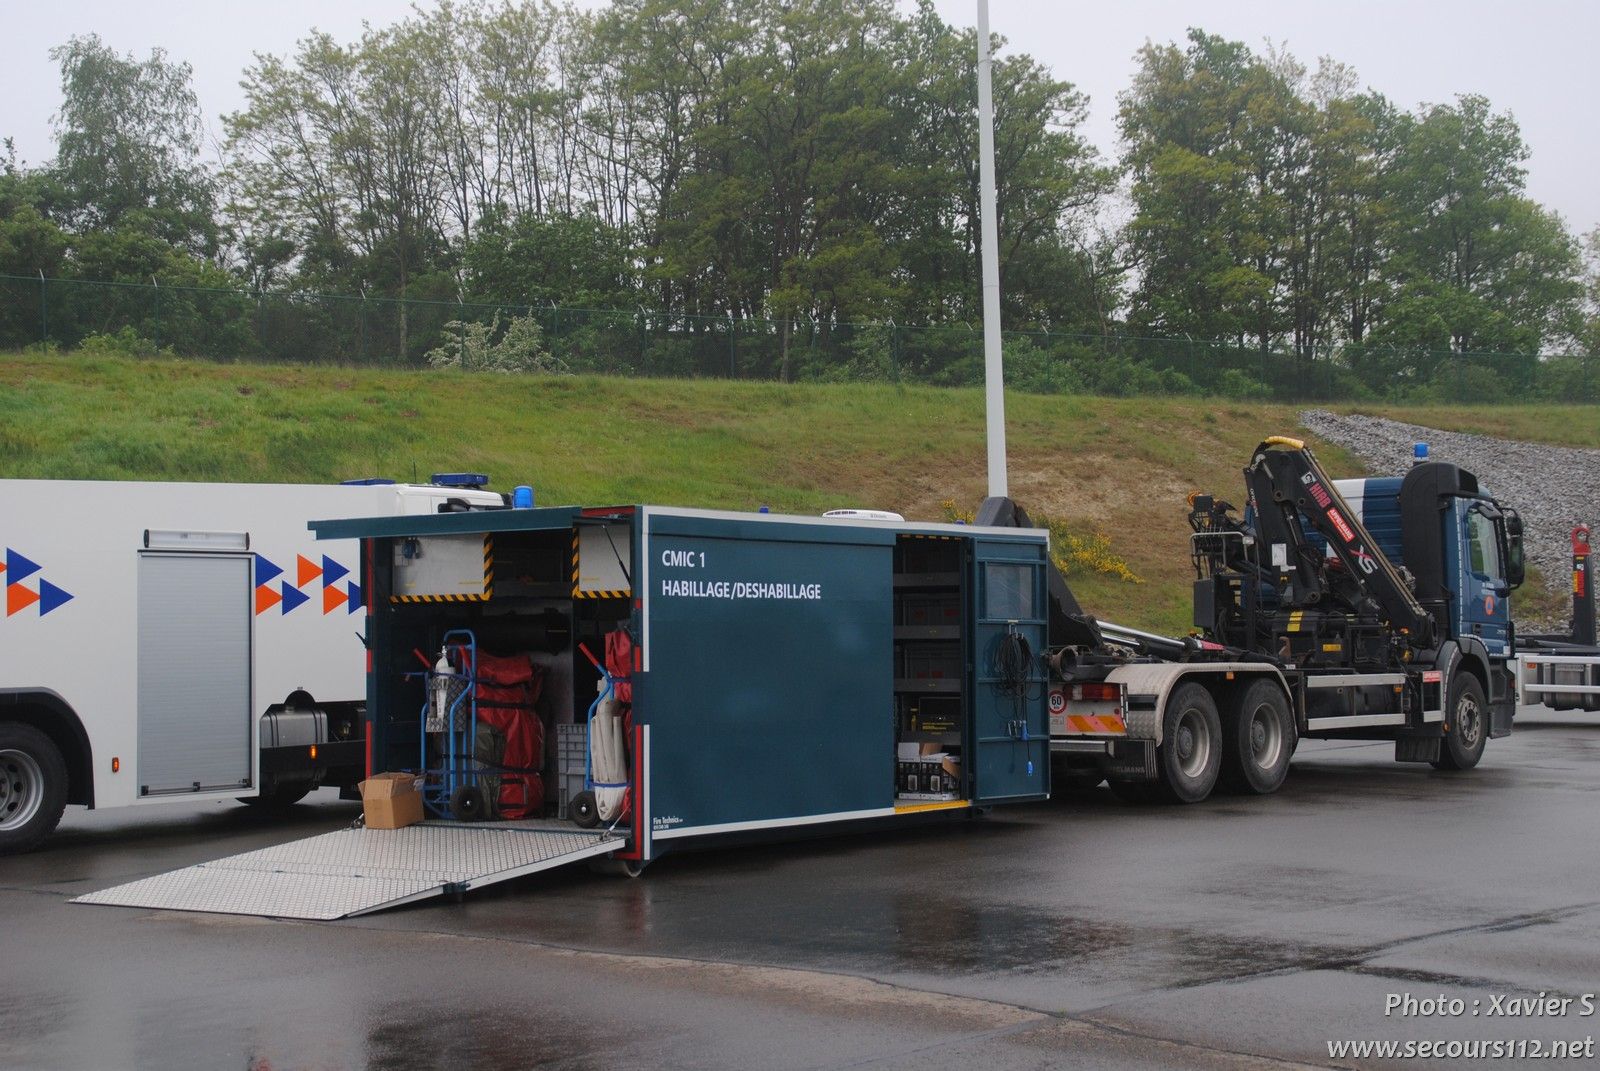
[(1462, 549)]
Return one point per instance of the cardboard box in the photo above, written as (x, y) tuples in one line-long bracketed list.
[(392, 800), (930, 777)]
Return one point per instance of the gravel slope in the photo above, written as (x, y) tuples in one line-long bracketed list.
[(1553, 487)]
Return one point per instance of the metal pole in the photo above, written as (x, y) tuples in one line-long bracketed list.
[(993, 371), (44, 311)]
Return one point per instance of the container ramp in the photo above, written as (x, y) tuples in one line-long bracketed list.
[(358, 871)]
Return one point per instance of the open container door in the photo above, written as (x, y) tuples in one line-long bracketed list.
[(1010, 716)]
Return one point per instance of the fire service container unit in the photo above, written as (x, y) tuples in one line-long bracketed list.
[(768, 672)]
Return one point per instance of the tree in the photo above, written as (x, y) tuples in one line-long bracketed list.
[(1474, 265), (1209, 135), (128, 141), (550, 260)]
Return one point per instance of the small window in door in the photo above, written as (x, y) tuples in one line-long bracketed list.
[(1485, 549), (1008, 592)]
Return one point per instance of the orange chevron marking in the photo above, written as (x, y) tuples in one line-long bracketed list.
[(19, 598), (266, 598), (332, 599)]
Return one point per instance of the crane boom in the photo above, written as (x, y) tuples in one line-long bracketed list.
[(1287, 483)]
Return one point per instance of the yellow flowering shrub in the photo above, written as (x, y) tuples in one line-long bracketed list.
[(1074, 555)]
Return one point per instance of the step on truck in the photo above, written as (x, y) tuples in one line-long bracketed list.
[(1358, 609), (182, 641)]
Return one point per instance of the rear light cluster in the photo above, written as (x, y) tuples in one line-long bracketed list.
[(1109, 693)]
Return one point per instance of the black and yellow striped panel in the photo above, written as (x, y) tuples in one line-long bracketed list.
[(438, 598), (488, 565), (579, 593), (488, 582)]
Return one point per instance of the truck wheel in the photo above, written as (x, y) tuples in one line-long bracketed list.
[(279, 797), (1259, 740), (1469, 725), (1190, 755), (33, 787)]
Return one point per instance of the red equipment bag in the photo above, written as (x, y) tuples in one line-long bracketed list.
[(507, 690), (619, 663)]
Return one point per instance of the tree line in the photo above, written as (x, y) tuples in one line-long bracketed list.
[(811, 164)]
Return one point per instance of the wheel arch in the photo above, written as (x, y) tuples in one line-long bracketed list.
[(52, 715), (1148, 685), (1469, 655)]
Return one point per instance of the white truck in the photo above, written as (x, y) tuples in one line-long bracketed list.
[(183, 641)]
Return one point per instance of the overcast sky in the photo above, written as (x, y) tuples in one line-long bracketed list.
[(1534, 58)]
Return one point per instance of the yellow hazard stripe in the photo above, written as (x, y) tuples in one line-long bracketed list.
[(581, 593), (438, 598), (932, 805), (488, 565), (1294, 620)]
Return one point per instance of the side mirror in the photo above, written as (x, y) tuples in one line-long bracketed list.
[(1516, 560)]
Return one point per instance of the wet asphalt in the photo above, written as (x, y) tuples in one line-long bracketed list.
[(1243, 932)]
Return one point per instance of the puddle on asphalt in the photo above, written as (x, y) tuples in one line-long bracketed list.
[(457, 1032)]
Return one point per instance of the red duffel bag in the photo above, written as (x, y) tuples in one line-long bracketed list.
[(508, 687)]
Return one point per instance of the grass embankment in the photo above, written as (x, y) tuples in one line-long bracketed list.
[(1120, 467)]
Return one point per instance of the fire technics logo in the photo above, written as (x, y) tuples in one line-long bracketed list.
[(289, 595), (20, 595)]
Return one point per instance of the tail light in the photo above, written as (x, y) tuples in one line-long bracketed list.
[(1096, 693)]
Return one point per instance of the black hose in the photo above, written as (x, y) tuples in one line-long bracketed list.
[(1012, 662)]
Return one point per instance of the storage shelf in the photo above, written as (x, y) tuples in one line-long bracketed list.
[(927, 580), (953, 737), (927, 685), (927, 632)]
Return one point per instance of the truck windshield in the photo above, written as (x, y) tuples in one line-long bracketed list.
[(1485, 548)]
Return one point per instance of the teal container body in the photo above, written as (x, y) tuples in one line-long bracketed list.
[(768, 691)]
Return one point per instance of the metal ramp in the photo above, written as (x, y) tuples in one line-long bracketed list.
[(357, 871)]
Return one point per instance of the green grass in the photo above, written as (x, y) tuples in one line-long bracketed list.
[(1119, 467)]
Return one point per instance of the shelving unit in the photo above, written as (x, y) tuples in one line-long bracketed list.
[(929, 656)]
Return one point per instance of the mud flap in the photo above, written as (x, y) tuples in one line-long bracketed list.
[(1417, 748)]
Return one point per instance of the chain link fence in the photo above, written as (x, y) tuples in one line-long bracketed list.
[(300, 328)]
